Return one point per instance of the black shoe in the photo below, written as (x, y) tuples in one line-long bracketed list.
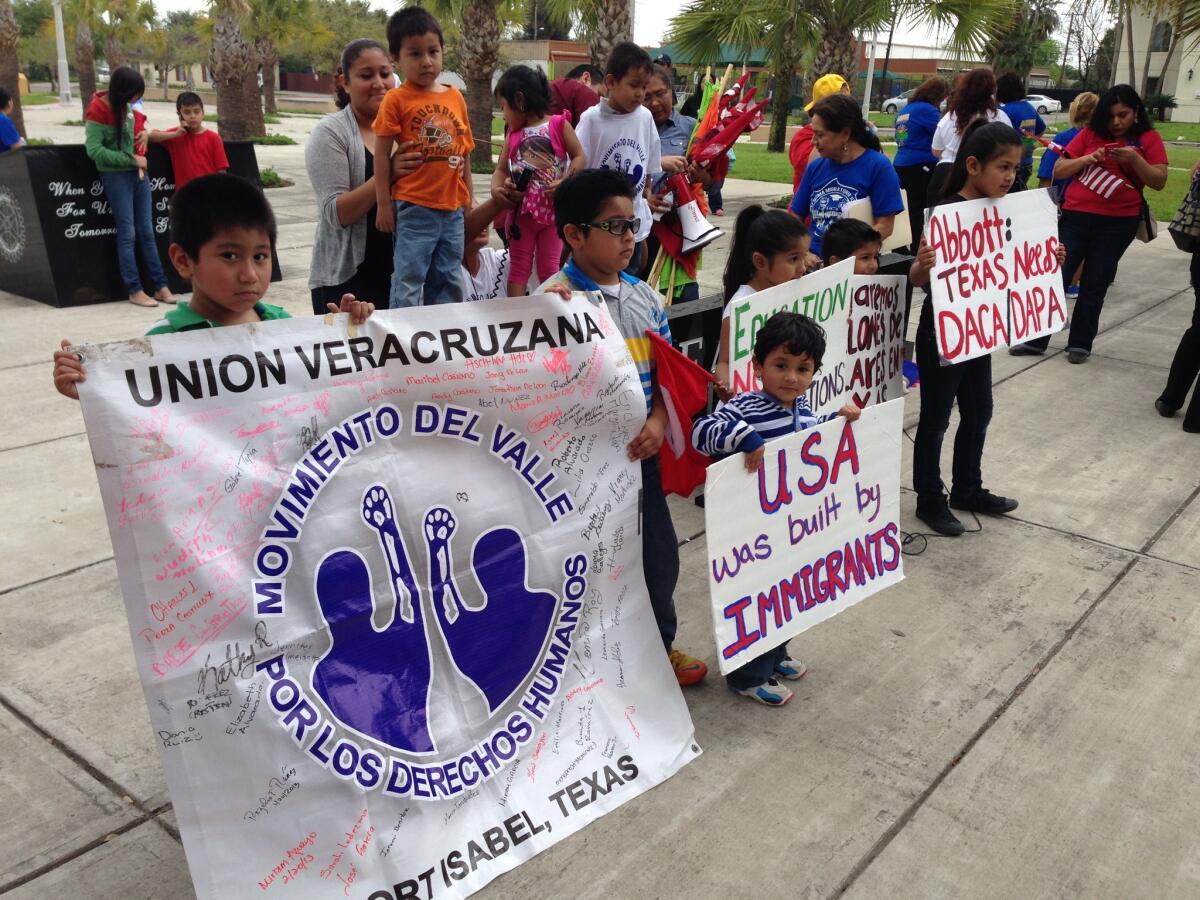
[(1191, 427), (1075, 357), (1024, 350), (1164, 409), (984, 501), (936, 514)]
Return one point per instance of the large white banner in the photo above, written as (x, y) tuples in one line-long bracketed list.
[(997, 280), (813, 532), (863, 318), (385, 590)]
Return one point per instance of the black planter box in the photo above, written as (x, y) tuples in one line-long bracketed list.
[(58, 242)]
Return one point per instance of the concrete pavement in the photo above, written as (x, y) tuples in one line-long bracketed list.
[(1017, 719)]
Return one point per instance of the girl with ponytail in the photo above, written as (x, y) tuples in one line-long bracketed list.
[(114, 139), (770, 247)]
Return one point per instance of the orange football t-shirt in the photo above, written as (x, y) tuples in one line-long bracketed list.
[(436, 121)]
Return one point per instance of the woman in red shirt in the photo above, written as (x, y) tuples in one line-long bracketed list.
[(1110, 162)]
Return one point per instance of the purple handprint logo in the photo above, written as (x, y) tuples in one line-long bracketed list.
[(377, 680)]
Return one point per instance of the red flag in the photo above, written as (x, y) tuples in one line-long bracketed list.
[(684, 389)]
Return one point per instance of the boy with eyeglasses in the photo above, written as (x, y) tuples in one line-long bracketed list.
[(594, 214)]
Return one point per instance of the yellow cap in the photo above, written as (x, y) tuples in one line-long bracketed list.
[(826, 86)]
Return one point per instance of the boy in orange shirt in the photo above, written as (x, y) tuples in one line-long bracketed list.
[(424, 209)]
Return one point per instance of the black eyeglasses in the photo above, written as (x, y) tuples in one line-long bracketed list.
[(615, 227)]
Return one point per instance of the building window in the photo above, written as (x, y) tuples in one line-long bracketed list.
[(1160, 38)]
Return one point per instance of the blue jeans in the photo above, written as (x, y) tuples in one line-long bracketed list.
[(660, 551), (715, 200), (1098, 242), (758, 670), (129, 197), (428, 256)]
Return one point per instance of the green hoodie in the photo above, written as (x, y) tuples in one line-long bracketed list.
[(110, 150)]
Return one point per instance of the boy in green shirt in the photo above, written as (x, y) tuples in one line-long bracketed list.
[(222, 235)]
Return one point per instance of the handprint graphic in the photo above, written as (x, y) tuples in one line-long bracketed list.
[(377, 681)]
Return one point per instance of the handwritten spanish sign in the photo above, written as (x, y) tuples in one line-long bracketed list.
[(864, 350), (997, 280), (815, 531), (863, 318), (385, 590)]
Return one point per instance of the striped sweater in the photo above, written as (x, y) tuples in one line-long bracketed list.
[(749, 420)]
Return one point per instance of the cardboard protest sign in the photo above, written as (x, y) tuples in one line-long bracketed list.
[(813, 532), (997, 280), (385, 590), (823, 296), (863, 318), (864, 351)]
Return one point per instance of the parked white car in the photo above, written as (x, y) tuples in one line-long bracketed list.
[(893, 105), (1044, 104)]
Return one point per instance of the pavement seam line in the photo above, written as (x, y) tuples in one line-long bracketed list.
[(907, 816), (34, 874), (51, 440), (53, 575), (1171, 520), (75, 756)]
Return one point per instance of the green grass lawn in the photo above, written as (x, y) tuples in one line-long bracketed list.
[(756, 164), (38, 99)]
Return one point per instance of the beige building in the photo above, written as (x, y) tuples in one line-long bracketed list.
[(1181, 77)]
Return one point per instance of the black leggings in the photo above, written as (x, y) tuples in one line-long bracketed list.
[(1186, 365)]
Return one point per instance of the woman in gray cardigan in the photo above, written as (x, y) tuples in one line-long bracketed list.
[(350, 256)]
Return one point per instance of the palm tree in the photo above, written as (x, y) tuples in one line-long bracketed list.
[(272, 22), (1013, 47), (614, 24), (84, 14), (783, 26), (605, 23), (10, 34), (234, 64), (129, 22)]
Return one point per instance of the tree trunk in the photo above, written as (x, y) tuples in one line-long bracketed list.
[(1162, 76), (1145, 82), (785, 70), (85, 63), (614, 24), (114, 54), (234, 67), (837, 54), (269, 57), (10, 33), (480, 51), (1129, 40)]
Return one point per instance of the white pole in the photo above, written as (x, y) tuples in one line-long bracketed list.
[(870, 77), (64, 73)]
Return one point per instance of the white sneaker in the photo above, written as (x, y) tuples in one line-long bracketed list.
[(769, 693), (791, 669)]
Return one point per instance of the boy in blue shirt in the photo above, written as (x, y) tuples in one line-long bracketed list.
[(9, 136), (594, 214), (1010, 94), (787, 354)]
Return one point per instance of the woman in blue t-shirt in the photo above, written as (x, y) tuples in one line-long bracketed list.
[(914, 161), (850, 167), (1010, 94)]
